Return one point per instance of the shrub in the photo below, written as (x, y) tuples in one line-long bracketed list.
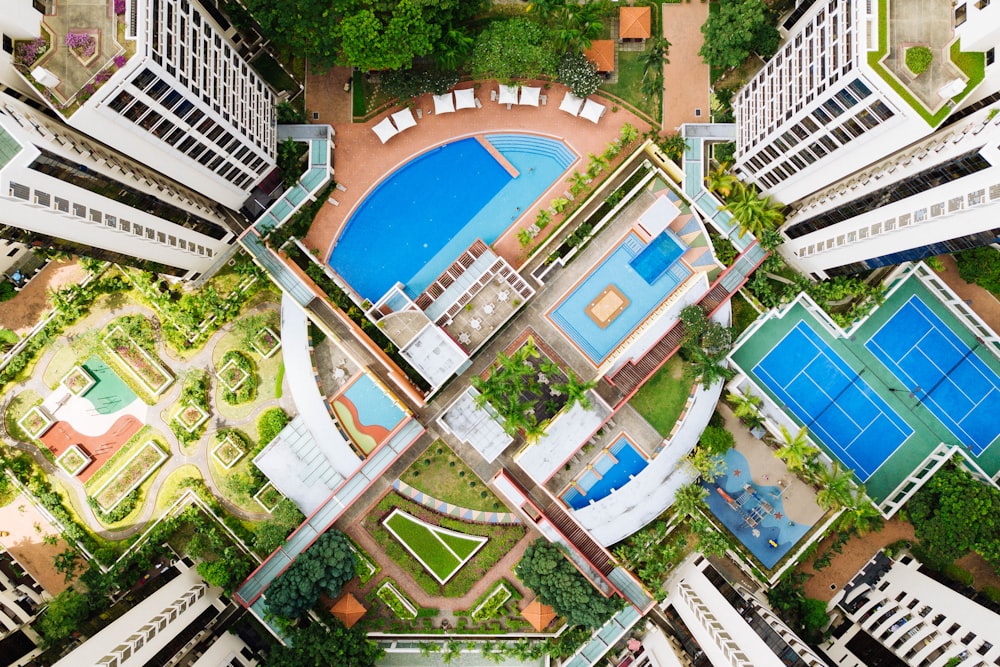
[(31, 51), (918, 59), (578, 73), (81, 42), (270, 423)]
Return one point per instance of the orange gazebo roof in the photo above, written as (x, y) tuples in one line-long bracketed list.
[(348, 610), (538, 614), (602, 54), (633, 23)]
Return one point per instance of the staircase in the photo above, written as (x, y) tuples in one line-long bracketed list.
[(580, 538)]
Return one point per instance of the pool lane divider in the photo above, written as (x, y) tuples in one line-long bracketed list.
[(498, 156), (463, 513)]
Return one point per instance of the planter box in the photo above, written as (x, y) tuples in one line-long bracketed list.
[(232, 376), (500, 591), (190, 417), (396, 601), (78, 381), (130, 475), (143, 367), (74, 460), (227, 453), (268, 497), (266, 342), (35, 422)]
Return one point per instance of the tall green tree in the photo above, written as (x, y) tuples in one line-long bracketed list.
[(795, 450), (63, 616), (545, 570), (737, 29), (514, 48), (755, 214), (326, 643), (324, 567), (746, 404), (836, 487), (708, 368), (722, 181), (690, 500)]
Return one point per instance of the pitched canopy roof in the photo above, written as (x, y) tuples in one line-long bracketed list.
[(538, 614), (602, 54), (348, 610), (633, 23)]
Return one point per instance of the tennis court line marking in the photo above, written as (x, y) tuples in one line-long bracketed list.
[(859, 469), (967, 357)]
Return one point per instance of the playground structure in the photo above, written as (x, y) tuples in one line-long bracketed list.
[(749, 504)]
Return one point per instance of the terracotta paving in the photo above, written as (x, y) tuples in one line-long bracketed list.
[(369, 160), (27, 528), (31, 304), (686, 79), (981, 301), (102, 447)]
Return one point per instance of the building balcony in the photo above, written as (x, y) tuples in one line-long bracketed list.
[(66, 77), (952, 73)]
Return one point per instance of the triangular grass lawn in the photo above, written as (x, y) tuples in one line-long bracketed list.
[(441, 551)]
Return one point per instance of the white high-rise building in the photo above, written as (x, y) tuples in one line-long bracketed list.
[(164, 83), (59, 189), (896, 614)]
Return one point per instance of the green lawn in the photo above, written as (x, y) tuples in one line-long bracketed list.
[(662, 398), (449, 480), (629, 86), (431, 544)]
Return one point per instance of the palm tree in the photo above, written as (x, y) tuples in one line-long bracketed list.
[(454, 48), (655, 55), (577, 25), (796, 450), (753, 212), (576, 390), (543, 219), (709, 368), (837, 487), (597, 164), (627, 135), (860, 514), (578, 182), (545, 8), (746, 405), (709, 466), (690, 499), (722, 181)]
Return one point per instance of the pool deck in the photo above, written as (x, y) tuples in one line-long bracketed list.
[(370, 160)]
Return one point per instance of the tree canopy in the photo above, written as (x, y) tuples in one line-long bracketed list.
[(370, 34), (324, 567), (325, 644), (545, 570), (63, 615), (514, 48), (739, 28)]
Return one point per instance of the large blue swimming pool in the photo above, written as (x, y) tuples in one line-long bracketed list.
[(611, 470), (420, 218)]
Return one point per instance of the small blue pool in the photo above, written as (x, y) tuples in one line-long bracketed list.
[(572, 316), (754, 514), (610, 471), (657, 257), (424, 214), (374, 407)]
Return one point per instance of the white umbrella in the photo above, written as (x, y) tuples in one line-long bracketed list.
[(465, 98), (443, 104), (593, 111), (571, 104), (385, 130), (404, 119), (529, 95), (508, 95)]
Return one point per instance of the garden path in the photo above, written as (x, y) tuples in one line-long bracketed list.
[(686, 78), (202, 359)]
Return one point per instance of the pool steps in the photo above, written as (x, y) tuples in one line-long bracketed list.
[(498, 156), (529, 144)]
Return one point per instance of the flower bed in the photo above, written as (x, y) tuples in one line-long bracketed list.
[(126, 479), (83, 45), (268, 497), (190, 417), (78, 381), (266, 342), (228, 452), (232, 376), (367, 568), (396, 601), (73, 460), (35, 422), (492, 604), (140, 363)]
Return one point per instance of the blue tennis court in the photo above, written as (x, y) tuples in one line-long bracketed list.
[(942, 372), (832, 400)]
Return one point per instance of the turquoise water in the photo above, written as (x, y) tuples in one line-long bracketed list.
[(110, 393), (611, 474), (374, 407), (776, 534), (571, 316), (424, 214)]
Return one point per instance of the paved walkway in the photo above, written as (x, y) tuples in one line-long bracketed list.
[(197, 454), (686, 78)]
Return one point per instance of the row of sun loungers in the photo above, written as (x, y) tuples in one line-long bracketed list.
[(392, 125), (522, 95), (584, 108)]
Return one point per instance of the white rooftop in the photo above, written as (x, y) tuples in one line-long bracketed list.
[(567, 433), (299, 467), (434, 355), (659, 215), (477, 427)]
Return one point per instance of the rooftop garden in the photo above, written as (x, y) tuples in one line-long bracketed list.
[(917, 74), (440, 473)]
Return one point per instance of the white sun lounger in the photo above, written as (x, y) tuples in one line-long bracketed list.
[(465, 98), (444, 104), (529, 95), (508, 95), (571, 104), (404, 119), (385, 130), (593, 111)]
